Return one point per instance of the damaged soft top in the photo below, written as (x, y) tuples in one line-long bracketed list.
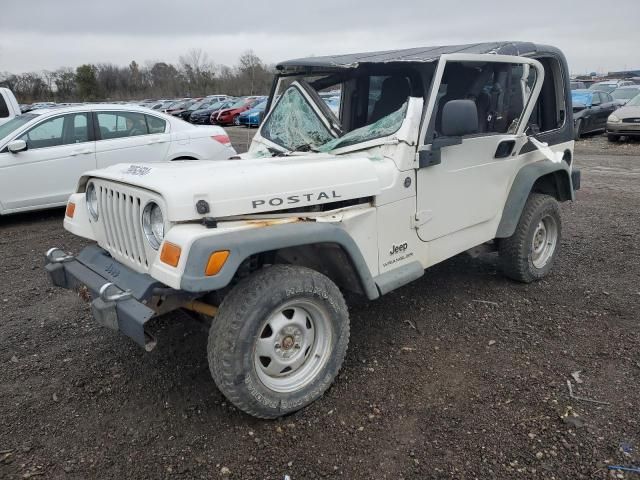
[(411, 55)]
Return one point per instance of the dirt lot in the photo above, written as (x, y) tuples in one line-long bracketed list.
[(462, 374)]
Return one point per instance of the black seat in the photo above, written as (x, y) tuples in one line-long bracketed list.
[(393, 93)]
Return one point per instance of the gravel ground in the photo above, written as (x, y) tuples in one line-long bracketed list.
[(462, 374)]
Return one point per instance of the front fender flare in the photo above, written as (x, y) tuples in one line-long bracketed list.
[(521, 188), (243, 244)]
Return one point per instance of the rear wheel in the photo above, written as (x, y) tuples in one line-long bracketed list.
[(529, 253), (613, 138), (278, 340)]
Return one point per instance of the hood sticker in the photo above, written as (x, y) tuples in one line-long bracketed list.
[(292, 199), (137, 170)]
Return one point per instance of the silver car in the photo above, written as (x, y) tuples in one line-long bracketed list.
[(625, 121)]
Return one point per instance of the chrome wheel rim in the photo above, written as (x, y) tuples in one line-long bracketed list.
[(292, 346), (544, 242)]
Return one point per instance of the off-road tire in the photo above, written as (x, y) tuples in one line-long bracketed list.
[(517, 250), (235, 331), (578, 129), (613, 138)]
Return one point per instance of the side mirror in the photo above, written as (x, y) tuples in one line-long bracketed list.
[(459, 118), (17, 146)]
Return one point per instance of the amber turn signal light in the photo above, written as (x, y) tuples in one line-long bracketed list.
[(71, 209), (216, 262), (170, 254)]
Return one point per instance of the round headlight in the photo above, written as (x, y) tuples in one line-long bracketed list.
[(92, 201), (153, 224)]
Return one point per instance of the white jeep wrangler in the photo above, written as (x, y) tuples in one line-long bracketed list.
[(433, 152)]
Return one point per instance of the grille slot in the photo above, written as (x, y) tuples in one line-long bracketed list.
[(121, 214)]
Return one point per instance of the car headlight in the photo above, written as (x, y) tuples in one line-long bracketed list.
[(153, 224), (613, 119), (92, 201)]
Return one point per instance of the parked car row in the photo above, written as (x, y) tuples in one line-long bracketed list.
[(603, 108)]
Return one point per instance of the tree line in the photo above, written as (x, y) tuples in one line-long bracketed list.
[(193, 76)]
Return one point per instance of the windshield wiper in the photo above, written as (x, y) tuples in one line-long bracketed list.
[(305, 147)]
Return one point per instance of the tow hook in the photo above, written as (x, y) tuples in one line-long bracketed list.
[(56, 255), (104, 295)]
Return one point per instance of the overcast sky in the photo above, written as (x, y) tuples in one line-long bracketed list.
[(47, 34)]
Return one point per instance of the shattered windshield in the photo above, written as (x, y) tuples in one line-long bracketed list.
[(293, 123), (296, 125), (382, 128)]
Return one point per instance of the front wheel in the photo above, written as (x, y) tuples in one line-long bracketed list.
[(529, 253), (278, 340), (578, 129)]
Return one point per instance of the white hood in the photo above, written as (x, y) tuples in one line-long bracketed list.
[(243, 187)]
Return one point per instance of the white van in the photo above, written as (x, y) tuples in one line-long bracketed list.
[(9, 107)]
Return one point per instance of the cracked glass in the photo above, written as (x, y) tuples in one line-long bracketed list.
[(293, 123)]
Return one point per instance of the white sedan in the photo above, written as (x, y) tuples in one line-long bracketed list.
[(43, 153)]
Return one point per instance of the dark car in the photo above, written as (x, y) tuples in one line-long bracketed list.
[(203, 116), (200, 104), (591, 109), (176, 110), (230, 116)]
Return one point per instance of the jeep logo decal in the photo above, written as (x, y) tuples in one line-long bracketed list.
[(293, 199), (112, 270), (395, 249)]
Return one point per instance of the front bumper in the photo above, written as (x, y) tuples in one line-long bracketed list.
[(118, 295), (623, 128)]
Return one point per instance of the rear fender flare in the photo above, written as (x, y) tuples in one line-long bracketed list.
[(523, 184)]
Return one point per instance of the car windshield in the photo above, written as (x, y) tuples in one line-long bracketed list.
[(634, 102), (625, 93), (238, 104), (583, 98), (297, 123), (604, 87), (260, 106), (12, 125), (198, 105)]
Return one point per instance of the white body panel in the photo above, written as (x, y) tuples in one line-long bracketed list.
[(238, 187)]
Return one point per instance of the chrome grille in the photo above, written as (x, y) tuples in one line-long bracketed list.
[(121, 214)]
